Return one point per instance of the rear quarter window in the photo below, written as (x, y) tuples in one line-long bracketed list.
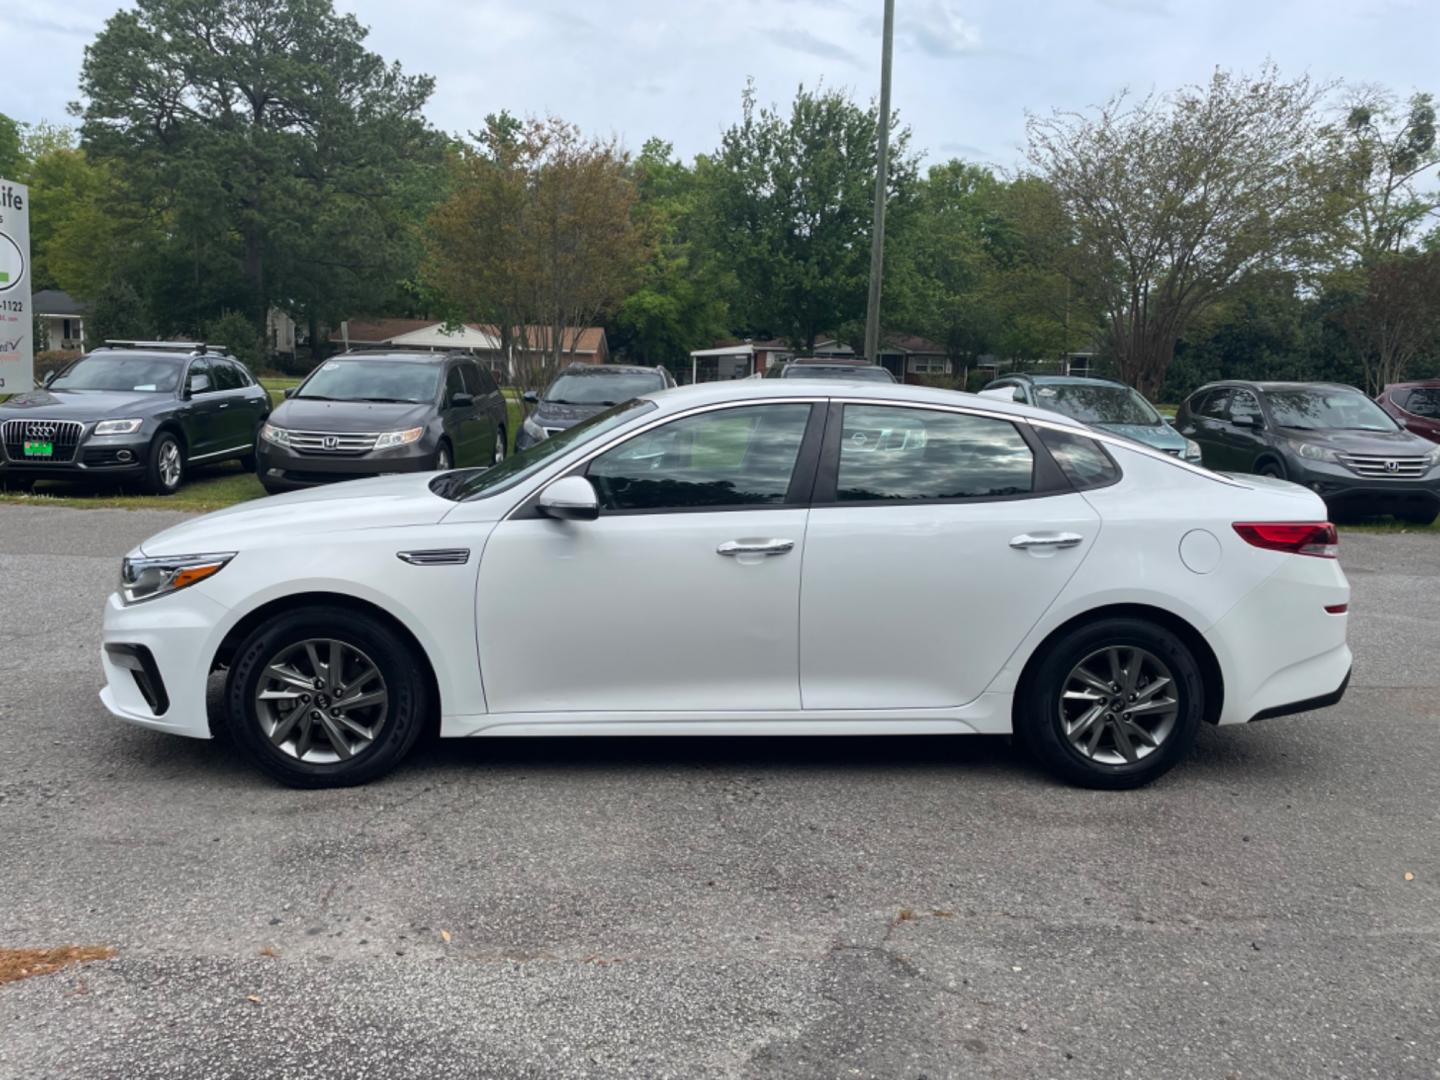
[(1083, 461)]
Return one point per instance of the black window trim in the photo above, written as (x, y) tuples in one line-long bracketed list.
[(1046, 476), (797, 496)]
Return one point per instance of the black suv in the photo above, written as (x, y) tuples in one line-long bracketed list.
[(361, 414), (812, 368), (1331, 438), (142, 410), (581, 391)]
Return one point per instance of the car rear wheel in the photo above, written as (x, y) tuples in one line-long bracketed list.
[(1112, 704), (1420, 517), (165, 466), (325, 697)]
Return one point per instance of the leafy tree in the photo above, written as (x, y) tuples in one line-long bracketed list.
[(271, 123), (679, 304), (790, 203), (117, 314), (12, 159), (535, 238), (1176, 200), (236, 333), (1397, 319)]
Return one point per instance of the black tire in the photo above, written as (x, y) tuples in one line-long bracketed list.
[(251, 461), (444, 457), (1419, 517), (273, 489), (1271, 467), (158, 478), (397, 726), (1038, 707)]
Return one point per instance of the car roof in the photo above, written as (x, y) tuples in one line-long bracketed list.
[(846, 365), (1266, 385), (741, 390), (410, 356), (580, 368), (155, 354), (1415, 384), (1058, 380)]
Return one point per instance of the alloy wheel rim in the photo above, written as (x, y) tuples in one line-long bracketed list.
[(321, 701), (1118, 705), (170, 464)]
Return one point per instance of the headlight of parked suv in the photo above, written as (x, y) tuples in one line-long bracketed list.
[(148, 578), (399, 438), (534, 430), (1313, 452), (276, 435), (118, 427), (1192, 452), (1434, 456)]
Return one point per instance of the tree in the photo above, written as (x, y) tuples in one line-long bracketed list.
[(12, 159), (1397, 320), (791, 204), (268, 122), (117, 313), (1176, 200), (536, 238), (1378, 156)]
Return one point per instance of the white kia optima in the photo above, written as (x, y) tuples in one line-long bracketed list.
[(748, 558)]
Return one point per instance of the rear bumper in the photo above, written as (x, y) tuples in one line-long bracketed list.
[(1323, 701)]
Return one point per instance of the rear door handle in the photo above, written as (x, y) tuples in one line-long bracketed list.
[(1052, 540), (755, 547)]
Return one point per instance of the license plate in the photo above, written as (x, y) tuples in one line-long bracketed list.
[(39, 449)]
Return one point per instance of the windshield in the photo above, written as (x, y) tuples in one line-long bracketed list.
[(148, 374), (1098, 404), (473, 484), (1345, 410), (602, 388), (372, 380), (817, 371)]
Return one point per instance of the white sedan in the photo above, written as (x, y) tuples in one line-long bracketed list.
[(748, 558)]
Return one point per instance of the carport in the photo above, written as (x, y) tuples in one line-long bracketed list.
[(726, 362)]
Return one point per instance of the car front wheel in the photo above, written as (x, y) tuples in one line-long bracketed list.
[(325, 697), (1112, 704), (165, 467)]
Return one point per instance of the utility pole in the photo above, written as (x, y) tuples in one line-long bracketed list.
[(882, 168)]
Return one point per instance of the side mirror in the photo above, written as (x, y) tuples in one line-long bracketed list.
[(199, 384), (49, 378), (461, 400), (531, 397), (571, 498), (289, 391)]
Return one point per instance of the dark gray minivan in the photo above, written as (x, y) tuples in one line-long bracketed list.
[(366, 413)]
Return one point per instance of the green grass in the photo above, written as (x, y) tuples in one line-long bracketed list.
[(208, 487), (1392, 525)]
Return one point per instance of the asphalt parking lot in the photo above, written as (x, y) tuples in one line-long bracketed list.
[(906, 907)]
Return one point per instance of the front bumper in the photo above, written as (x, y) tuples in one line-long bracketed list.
[(156, 659), (1346, 491), (96, 455), (279, 467)]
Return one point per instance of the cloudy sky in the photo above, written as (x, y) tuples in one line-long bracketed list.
[(965, 70)]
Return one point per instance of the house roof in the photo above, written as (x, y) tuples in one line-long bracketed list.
[(56, 302), (590, 340), (365, 331), (379, 331)]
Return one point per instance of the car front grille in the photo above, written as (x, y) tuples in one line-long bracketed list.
[(63, 435), (1394, 468), (352, 443)]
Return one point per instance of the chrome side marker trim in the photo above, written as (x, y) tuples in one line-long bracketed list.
[(435, 557)]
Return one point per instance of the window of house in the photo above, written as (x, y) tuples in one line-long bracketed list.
[(929, 365), (725, 458), (897, 454)]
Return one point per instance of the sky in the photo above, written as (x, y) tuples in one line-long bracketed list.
[(965, 71)]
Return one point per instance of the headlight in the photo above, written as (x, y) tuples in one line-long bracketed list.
[(1434, 456), (1192, 452), (277, 435), (1313, 452), (533, 429), (118, 427), (147, 578), (399, 438)]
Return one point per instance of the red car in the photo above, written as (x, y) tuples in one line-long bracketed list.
[(1415, 406)]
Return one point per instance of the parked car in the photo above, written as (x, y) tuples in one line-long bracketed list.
[(134, 410), (1415, 406), (581, 391), (748, 557), (815, 368), (1102, 403), (1328, 437), (363, 414)]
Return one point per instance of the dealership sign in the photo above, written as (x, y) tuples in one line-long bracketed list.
[(17, 349)]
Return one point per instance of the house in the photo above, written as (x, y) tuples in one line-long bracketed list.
[(583, 346), (734, 359), (906, 356), (61, 319)]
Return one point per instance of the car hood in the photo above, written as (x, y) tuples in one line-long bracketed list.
[(345, 416), (79, 405), (548, 414), (1361, 442), (384, 502), (1160, 436)]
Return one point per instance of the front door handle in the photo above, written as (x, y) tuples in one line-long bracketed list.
[(755, 547), (1054, 541)]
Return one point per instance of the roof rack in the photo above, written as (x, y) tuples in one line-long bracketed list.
[(198, 347)]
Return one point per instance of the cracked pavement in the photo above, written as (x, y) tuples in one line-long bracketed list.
[(800, 908)]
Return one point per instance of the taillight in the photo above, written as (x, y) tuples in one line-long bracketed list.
[(1317, 538)]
